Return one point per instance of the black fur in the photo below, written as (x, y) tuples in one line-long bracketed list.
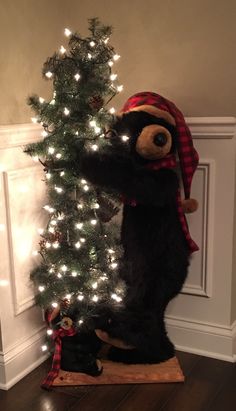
[(156, 254)]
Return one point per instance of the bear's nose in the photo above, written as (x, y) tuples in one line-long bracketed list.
[(160, 139)]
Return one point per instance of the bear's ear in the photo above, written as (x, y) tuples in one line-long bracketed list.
[(154, 142)]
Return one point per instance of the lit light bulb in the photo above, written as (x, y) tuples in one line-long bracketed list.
[(48, 176), (56, 245), (124, 138), (81, 321), (61, 217), (110, 63), (89, 56), (64, 268), (41, 288), (112, 110), (97, 130), (96, 206), (48, 74), (62, 50), (58, 155), (95, 298), (86, 187), (79, 225), (80, 206), (77, 245), (49, 332), (114, 265), (80, 297), (44, 347), (67, 32), (92, 123), (120, 88), (83, 181), (54, 305), (116, 298), (95, 285), (59, 275), (44, 133), (74, 273), (106, 40), (52, 102), (68, 296), (94, 147), (62, 173), (77, 76), (41, 100), (35, 158), (116, 57), (92, 44), (48, 245), (51, 150), (110, 251), (82, 240), (59, 190), (66, 111), (53, 222), (34, 120), (113, 77), (93, 222)]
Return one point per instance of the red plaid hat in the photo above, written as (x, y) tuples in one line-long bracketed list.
[(161, 107)]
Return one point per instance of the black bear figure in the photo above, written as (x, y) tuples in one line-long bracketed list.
[(140, 163)]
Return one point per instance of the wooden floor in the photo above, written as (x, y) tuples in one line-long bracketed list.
[(210, 386)]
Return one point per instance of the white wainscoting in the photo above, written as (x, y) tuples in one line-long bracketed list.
[(199, 319), (21, 199)]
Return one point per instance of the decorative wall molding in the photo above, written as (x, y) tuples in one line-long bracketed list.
[(20, 178), (204, 269), (212, 127), (213, 340), (16, 135), (21, 358)]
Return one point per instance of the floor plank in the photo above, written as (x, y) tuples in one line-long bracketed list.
[(152, 397), (226, 397), (103, 398), (203, 383), (209, 386)]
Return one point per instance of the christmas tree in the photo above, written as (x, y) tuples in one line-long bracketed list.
[(79, 249)]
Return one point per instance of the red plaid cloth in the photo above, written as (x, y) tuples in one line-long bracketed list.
[(56, 362)]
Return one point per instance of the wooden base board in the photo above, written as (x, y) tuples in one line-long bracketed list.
[(119, 373)]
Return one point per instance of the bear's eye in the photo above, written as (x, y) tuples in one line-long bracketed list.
[(160, 139), (111, 133)]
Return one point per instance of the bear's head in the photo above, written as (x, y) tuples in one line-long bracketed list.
[(152, 131), (143, 135)]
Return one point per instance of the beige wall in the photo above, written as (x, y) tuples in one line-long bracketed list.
[(183, 49)]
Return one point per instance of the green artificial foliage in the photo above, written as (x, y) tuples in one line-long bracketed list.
[(79, 248)]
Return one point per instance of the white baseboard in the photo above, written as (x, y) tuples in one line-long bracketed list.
[(209, 340), (21, 359)]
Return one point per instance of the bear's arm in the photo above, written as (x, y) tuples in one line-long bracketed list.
[(140, 184)]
